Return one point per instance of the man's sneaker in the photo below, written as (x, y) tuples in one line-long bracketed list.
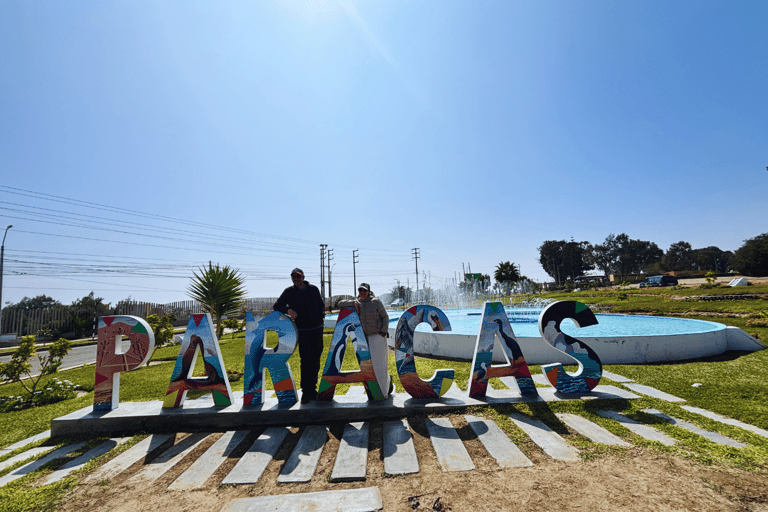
[(391, 388)]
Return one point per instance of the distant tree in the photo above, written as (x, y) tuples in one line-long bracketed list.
[(33, 304), (711, 258), (564, 261), (84, 311), (679, 256), (220, 290), (751, 259), (506, 274), (402, 292), (475, 283), (621, 256)]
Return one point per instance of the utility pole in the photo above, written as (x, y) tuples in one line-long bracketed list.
[(322, 270), (416, 257), (330, 293), (2, 257), (354, 271)]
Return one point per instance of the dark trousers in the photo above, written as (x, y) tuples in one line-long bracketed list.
[(310, 350)]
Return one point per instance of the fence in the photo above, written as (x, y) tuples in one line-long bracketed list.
[(69, 321)]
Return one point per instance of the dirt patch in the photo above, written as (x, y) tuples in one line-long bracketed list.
[(633, 479)]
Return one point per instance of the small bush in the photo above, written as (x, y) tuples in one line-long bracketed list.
[(54, 391)]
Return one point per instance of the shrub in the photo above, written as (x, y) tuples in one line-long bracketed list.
[(19, 369)]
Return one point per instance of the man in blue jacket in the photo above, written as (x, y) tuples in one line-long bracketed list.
[(303, 303)]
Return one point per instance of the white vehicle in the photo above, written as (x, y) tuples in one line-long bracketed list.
[(397, 303)]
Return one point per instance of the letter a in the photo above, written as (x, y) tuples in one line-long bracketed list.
[(199, 336), (348, 328), (495, 322)]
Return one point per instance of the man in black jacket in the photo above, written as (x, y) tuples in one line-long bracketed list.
[(303, 303)]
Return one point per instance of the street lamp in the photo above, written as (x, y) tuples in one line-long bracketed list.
[(2, 257)]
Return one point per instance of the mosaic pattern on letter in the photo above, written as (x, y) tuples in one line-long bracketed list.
[(442, 380), (590, 368), (259, 359)]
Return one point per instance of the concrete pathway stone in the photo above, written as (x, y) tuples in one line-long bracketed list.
[(616, 377), (301, 465), (32, 452), (37, 464), (712, 436), (399, 451), (499, 446), (82, 460), (547, 439), (728, 421), (130, 456), (593, 431), (653, 392), (166, 460), (644, 431), (25, 442), (205, 465), (352, 458), (450, 450), (351, 500), (252, 464)]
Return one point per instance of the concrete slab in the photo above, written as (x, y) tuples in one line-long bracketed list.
[(506, 453), (644, 431), (352, 500), (546, 438), (25, 442), (398, 449), (541, 379), (301, 465), (42, 461), (135, 453), (252, 464), (712, 436), (202, 415), (615, 377), (82, 460), (450, 450), (32, 452), (205, 465), (593, 431), (653, 392), (352, 457), (728, 421), (166, 460)]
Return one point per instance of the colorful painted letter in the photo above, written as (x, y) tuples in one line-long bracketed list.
[(590, 368), (258, 358), (347, 329), (441, 381), (493, 323), (110, 360), (199, 336)]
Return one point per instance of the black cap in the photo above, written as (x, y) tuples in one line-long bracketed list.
[(297, 271)]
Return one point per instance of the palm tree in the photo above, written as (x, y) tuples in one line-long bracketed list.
[(506, 274), (220, 290)]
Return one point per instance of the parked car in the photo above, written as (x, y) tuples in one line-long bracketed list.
[(659, 281), (397, 303)]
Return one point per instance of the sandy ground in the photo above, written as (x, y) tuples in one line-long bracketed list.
[(633, 479)]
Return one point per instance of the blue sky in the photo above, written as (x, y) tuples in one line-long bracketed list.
[(139, 140)]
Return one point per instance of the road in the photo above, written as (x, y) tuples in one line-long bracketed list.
[(84, 354)]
